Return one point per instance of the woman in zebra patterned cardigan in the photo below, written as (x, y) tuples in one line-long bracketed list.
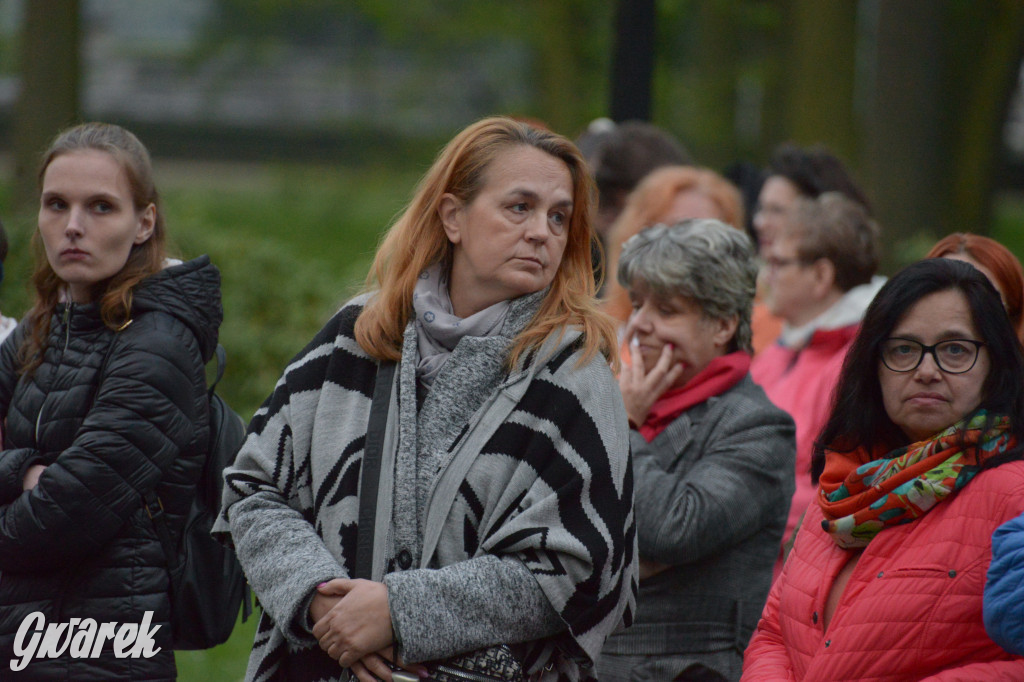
[(505, 510)]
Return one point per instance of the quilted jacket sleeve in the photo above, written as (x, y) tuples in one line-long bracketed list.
[(9, 366), (13, 463), (1004, 591), (144, 414), (766, 658), (744, 475)]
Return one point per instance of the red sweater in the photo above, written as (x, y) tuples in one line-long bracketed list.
[(801, 383), (912, 609)]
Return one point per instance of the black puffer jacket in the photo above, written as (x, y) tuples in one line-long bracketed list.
[(80, 544)]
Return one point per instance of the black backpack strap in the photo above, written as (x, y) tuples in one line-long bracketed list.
[(369, 479), (222, 360), (155, 509)]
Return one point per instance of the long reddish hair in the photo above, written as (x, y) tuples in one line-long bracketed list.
[(417, 240), (649, 201), (114, 294), (998, 260)]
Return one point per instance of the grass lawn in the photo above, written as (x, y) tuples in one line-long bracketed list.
[(292, 244)]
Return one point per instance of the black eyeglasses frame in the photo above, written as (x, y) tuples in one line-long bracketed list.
[(978, 345)]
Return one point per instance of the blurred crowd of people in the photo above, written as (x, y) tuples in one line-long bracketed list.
[(686, 433), (860, 542)]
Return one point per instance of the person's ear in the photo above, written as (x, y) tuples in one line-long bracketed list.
[(147, 223), (725, 330), (824, 279), (450, 213)]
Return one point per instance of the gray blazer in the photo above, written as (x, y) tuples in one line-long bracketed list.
[(712, 496)]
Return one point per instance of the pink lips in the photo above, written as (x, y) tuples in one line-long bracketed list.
[(73, 254), (925, 399)]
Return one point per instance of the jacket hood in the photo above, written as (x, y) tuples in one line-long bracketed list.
[(190, 292)]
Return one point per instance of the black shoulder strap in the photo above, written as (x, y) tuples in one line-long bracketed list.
[(222, 360), (155, 507), (369, 478)]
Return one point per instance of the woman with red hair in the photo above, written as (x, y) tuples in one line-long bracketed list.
[(996, 262), (668, 195)]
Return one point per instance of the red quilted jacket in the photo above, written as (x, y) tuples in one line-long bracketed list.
[(912, 608), (801, 383)]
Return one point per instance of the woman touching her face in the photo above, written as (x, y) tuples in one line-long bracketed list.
[(713, 458)]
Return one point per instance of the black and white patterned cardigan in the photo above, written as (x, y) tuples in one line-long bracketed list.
[(540, 472)]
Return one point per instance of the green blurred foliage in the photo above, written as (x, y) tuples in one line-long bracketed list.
[(292, 243), (567, 44)]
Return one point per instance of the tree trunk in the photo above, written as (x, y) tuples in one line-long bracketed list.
[(571, 57), (633, 60), (819, 105), (903, 140), (48, 99), (982, 94)]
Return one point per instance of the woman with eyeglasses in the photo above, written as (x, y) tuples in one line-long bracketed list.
[(918, 464), (821, 273)]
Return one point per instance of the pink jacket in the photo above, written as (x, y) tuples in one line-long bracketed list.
[(912, 609), (801, 383)]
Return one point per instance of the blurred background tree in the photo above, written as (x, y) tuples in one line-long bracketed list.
[(49, 86), (913, 95)]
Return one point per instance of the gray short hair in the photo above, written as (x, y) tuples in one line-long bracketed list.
[(704, 260)]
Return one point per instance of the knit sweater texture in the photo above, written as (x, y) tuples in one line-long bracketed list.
[(504, 514)]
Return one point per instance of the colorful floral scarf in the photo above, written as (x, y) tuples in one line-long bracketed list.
[(860, 498)]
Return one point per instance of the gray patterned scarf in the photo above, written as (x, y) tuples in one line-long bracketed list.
[(438, 329)]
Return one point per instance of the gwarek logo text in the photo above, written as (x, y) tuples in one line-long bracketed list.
[(82, 638)]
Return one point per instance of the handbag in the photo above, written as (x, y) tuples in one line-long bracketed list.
[(492, 664)]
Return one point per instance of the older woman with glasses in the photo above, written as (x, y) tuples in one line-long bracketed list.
[(918, 464), (820, 271), (713, 458)]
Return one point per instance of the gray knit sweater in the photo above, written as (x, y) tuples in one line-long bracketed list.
[(509, 520)]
